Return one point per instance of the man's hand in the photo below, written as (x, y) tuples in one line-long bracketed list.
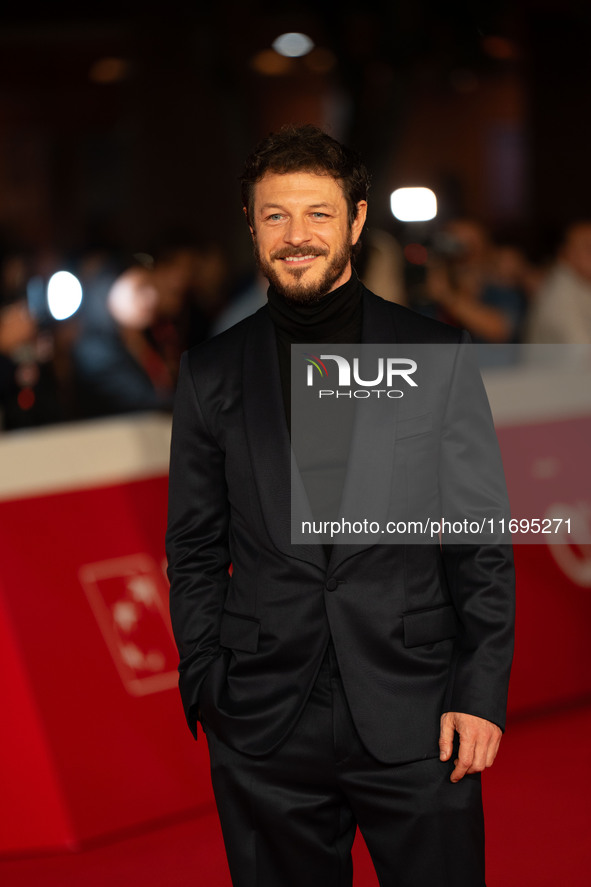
[(479, 742)]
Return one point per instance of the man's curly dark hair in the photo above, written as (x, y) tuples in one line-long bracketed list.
[(305, 148)]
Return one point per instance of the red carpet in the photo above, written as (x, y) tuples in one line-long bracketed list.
[(537, 804)]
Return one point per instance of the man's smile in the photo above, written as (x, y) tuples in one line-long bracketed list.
[(298, 257), (299, 260)]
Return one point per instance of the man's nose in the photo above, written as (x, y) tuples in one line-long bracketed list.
[(297, 231)]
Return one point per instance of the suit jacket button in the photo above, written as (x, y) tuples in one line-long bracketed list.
[(331, 584)]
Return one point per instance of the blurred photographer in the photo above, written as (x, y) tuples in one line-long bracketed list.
[(469, 284)]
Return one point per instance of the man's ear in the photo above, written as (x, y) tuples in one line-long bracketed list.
[(359, 221), (252, 231)]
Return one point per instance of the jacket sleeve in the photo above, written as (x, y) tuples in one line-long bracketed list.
[(196, 541), (480, 575)]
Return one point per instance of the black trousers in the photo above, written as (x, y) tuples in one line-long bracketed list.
[(289, 819)]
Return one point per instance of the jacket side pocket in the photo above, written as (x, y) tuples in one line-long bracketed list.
[(429, 626), (239, 632)]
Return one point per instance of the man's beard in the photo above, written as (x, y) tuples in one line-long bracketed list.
[(299, 292)]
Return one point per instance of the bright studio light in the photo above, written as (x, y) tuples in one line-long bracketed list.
[(413, 204), (64, 295), (293, 45)]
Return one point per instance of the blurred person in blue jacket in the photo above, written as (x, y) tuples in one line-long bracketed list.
[(117, 367)]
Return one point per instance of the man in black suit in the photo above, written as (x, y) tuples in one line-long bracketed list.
[(334, 681)]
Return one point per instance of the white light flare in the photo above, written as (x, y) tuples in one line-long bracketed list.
[(64, 295), (413, 204), (293, 45)]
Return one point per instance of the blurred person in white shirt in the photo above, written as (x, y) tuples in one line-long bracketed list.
[(561, 313)]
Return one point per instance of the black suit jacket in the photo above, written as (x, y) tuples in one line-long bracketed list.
[(417, 629)]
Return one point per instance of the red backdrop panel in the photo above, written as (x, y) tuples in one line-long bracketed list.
[(93, 667), (547, 470)]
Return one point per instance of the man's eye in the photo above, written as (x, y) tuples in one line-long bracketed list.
[(274, 217), (320, 215)]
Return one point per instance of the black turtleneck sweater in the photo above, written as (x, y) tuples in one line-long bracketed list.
[(335, 318)]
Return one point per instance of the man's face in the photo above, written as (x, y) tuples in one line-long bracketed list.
[(301, 234)]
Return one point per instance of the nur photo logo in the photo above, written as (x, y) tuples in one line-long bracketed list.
[(346, 374)]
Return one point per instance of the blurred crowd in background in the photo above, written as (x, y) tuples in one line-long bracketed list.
[(119, 350), (124, 130)]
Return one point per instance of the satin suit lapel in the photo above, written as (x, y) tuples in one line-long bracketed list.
[(268, 440), (369, 474)]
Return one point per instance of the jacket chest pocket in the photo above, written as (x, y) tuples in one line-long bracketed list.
[(413, 426)]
